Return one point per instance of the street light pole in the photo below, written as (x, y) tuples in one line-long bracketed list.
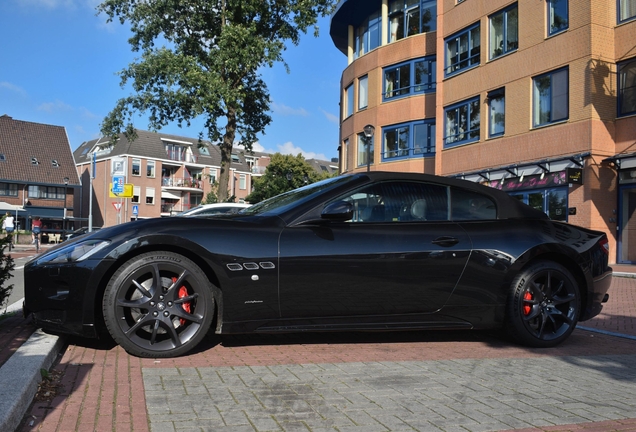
[(66, 179), (369, 130)]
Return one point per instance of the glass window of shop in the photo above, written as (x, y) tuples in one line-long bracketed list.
[(627, 217), (553, 202)]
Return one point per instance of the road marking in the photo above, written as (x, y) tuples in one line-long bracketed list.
[(605, 332)]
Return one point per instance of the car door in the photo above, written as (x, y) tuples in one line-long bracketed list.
[(399, 254)]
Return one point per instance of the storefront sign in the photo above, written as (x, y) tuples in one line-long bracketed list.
[(555, 179), (575, 175)]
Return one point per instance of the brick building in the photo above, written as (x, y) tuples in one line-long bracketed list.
[(168, 174), (37, 176), (535, 97)]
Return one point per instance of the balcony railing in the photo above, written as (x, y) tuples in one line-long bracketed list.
[(258, 170), (182, 182)]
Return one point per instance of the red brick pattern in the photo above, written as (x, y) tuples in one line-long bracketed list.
[(103, 386)]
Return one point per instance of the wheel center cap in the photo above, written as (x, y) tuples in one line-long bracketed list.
[(161, 306)]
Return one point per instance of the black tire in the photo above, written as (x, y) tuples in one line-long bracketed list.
[(544, 305), (145, 301)]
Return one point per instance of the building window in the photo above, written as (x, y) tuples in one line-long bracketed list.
[(557, 16), (212, 175), (627, 87), (368, 35), (504, 34), (45, 192), (462, 50), (462, 123), (362, 150), (345, 156), (550, 97), (150, 195), (136, 167), (496, 113), (411, 17), (242, 181), (8, 189), (408, 140), (136, 193), (150, 168), (363, 92), (626, 10), (416, 76), (348, 108)]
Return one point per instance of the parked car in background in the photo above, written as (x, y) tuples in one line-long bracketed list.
[(78, 232), (368, 251), (212, 209)]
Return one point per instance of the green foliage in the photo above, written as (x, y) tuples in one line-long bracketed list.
[(210, 198), (6, 267), (209, 65), (284, 173)]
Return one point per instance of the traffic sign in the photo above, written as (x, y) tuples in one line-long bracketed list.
[(135, 209), (126, 193), (118, 184), (117, 206)]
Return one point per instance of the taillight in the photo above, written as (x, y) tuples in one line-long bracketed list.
[(604, 244)]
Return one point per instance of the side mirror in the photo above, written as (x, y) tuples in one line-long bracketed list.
[(338, 211)]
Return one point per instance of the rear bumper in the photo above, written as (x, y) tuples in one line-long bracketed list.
[(597, 295)]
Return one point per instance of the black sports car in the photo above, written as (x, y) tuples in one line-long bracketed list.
[(374, 251)]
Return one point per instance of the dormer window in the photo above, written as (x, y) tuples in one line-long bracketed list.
[(34, 161)]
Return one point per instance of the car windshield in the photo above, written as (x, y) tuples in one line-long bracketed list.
[(280, 203)]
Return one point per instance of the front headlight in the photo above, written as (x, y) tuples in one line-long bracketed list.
[(75, 252)]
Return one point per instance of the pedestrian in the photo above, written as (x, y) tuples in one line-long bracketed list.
[(36, 227), (8, 223)]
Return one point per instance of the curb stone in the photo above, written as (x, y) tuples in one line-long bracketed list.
[(20, 376)]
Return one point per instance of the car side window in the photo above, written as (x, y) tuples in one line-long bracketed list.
[(469, 205), (401, 201)]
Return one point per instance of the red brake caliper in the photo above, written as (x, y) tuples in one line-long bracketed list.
[(183, 292), (526, 307)]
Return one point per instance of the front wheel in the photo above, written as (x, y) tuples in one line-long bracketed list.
[(158, 304), (543, 306)]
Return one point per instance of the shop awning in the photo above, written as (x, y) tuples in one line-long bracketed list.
[(544, 166), (622, 160), (170, 195)]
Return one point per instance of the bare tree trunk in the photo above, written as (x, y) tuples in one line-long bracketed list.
[(226, 156)]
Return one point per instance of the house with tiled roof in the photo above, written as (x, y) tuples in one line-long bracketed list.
[(164, 174), (37, 175)]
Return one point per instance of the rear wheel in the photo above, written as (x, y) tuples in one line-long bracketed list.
[(158, 304), (544, 305)]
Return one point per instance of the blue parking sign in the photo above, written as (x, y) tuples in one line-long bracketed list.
[(118, 184)]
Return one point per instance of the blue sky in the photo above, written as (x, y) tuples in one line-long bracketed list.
[(58, 65)]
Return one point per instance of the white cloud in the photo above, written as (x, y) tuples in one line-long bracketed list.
[(331, 117), (56, 106), (290, 149), (12, 87), (87, 114), (289, 111)]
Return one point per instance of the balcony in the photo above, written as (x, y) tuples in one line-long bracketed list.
[(258, 170), (181, 182)]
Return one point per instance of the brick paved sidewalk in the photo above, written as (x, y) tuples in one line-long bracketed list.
[(102, 387)]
